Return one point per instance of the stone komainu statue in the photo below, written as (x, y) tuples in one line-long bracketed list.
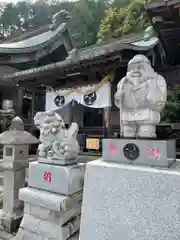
[(57, 142), (141, 96)]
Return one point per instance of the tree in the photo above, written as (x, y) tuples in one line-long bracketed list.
[(172, 108), (55, 6), (120, 3), (41, 14), (24, 15), (24, 9), (10, 19), (124, 20), (87, 16)]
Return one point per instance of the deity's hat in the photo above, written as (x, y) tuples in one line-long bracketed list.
[(139, 59)]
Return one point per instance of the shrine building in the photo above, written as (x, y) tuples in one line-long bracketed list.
[(45, 72)]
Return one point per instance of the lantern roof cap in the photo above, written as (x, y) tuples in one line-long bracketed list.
[(16, 134)]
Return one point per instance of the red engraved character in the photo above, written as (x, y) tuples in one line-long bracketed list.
[(113, 149), (154, 152), (48, 177)]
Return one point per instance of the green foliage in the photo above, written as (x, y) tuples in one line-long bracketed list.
[(124, 20), (86, 15), (41, 13), (24, 11), (23, 15), (120, 3), (10, 16), (89, 17), (172, 109)]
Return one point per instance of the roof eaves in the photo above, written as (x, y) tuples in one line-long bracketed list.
[(156, 4), (85, 55), (5, 49)]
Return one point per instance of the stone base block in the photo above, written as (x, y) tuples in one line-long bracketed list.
[(66, 180), (26, 235), (11, 221), (160, 153), (48, 229), (51, 201), (59, 218), (130, 202), (49, 215), (61, 162)]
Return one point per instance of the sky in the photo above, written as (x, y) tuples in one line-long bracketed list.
[(15, 1), (8, 1)]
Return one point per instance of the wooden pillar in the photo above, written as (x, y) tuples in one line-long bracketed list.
[(33, 107), (107, 122), (19, 101), (107, 118)]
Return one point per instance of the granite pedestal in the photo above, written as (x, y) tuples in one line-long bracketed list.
[(52, 202), (152, 152), (65, 180), (130, 202)]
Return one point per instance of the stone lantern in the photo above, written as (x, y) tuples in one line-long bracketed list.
[(16, 143)]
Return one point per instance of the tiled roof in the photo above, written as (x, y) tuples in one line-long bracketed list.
[(87, 55)]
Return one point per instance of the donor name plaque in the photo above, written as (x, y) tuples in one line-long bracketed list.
[(160, 153), (92, 143)]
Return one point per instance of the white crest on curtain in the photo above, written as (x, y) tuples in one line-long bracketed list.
[(103, 97)]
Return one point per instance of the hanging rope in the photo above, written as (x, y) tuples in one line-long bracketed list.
[(110, 77)]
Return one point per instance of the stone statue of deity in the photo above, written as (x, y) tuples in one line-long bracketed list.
[(141, 96), (57, 143)]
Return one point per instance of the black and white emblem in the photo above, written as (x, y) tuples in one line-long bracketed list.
[(59, 101), (131, 151), (90, 98)]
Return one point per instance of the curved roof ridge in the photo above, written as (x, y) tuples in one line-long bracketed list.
[(35, 42), (27, 34)]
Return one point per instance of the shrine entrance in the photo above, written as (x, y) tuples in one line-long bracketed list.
[(93, 117), (87, 106)]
